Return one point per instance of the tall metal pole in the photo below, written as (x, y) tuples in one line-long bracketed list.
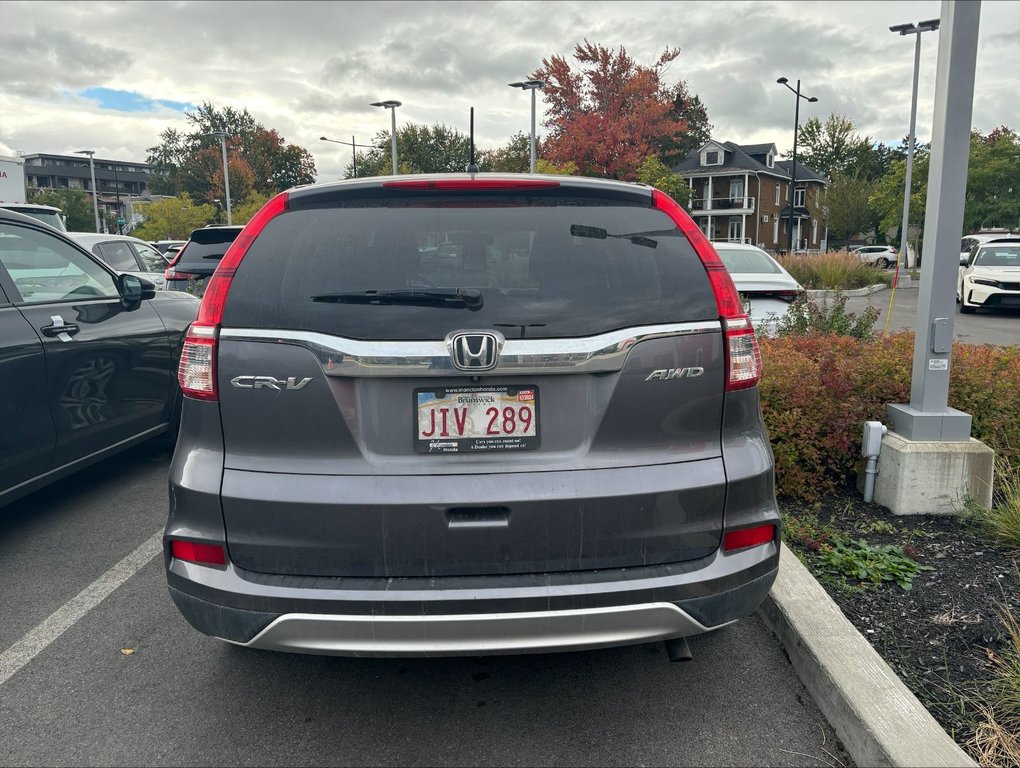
[(226, 176), (928, 416), (393, 135), (533, 90), (354, 156), (116, 184), (909, 262), (95, 192), (793, 168)]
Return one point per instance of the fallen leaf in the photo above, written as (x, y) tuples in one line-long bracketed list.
[(127, 651)]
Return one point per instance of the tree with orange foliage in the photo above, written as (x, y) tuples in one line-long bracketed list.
[(609, 113)]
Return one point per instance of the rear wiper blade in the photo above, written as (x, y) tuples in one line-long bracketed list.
[(455, 298)]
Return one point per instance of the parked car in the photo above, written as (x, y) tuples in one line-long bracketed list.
[(47, 214), (767, 289), (195, 262), (551, 439), (990, 276), (968, 242), (883, 256), (164, 246), (126, 254), (87, 357)]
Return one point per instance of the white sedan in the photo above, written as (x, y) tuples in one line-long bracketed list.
[(990, 277), (766, 288)]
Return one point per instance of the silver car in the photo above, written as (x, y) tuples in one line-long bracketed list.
[(767, 289), (549, 439), (125, 254)]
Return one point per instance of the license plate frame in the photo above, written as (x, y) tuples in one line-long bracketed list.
[(475, 399)]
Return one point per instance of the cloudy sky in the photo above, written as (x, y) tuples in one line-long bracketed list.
[(111, 76)]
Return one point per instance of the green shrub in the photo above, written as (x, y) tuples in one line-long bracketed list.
[(835, 270), (817, 392), (828, 317)]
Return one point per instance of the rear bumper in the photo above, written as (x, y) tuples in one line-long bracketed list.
[(531, 613)]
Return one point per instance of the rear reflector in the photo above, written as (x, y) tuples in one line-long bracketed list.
[(491, 184), (749, 537), (203, 554)]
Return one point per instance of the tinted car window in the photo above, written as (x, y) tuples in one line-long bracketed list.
[(998, 256), (118, 254), (151, 258), (45, 268), (531, 268), (205, 249)]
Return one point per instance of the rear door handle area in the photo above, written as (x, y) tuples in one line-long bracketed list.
[(478, 517), (58, 328)]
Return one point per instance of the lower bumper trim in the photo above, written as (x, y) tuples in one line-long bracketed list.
[(475, 634)]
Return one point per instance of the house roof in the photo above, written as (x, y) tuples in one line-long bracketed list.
[(738, 157)]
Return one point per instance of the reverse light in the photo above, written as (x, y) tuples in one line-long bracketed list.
[(749, 537), (197, 369), (202, 554), (743, 359)]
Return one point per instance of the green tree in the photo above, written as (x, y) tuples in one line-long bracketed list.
[(174, 219), (993, 181), (242, 214), (688, 110), (655, 173), (549, 168), (608, 113), (512, 157), (187, 161), (886, 198), (420, 149), (76, 205), (844, 207), (835, 146)]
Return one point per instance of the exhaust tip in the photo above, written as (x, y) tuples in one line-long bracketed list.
[(678, 649)]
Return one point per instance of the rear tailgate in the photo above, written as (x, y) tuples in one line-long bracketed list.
[(592, 442)]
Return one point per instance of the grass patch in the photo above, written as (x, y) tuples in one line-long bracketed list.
[(1003, 519), (835, 270), (996, 741)]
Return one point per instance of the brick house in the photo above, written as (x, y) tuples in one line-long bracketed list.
[(741, 194)]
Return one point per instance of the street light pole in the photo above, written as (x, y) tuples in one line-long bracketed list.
[(391, 105), (793, 165), (354, 153), (222, 136), (95, 192), (909, 29), (531, 85)]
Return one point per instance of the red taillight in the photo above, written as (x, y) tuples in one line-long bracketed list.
[(749, 537), (491, 184), (203, 554), (197, 370), (743, 359)]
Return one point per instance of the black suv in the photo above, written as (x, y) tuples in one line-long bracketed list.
[(195, 262), (470, 414)]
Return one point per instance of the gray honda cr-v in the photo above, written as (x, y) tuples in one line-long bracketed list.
[(464, 414)]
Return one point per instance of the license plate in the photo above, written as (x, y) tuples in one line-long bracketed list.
[(471, 419)]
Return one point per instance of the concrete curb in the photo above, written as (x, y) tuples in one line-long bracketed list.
[(878, 719), (821, 294)]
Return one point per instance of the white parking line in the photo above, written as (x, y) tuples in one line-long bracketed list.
[(49, 629)]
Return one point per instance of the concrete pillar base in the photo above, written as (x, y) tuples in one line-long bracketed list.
[(921, 477)]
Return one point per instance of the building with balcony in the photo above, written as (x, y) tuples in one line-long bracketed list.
[(117, 180), (741, 194)]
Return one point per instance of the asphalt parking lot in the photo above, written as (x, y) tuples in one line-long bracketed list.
[(180, 698), (1000, 327)]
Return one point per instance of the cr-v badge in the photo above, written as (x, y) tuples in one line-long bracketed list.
[(665, 374), (269, 382)]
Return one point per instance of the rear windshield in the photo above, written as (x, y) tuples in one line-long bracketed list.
[(740, 261), (528, 267), (205, 248)]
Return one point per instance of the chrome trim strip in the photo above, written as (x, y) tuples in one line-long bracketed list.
[(472, 634), (353, 357)]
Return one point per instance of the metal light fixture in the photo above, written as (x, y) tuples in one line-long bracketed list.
[(391, 104), (793, 165), (222, 136), (531, 85), (910, 29), (95, 192)]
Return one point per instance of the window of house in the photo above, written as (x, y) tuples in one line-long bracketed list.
[(770, 161), (775, 229), (778, 187), (814, 230), (737, 189), (798, 197), (712, 158)]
